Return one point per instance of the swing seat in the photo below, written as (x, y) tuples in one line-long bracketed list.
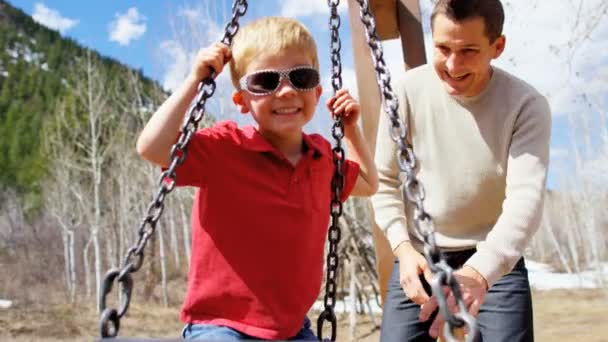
[(160, 340)]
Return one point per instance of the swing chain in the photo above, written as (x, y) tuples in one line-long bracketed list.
[(337, 182), (413, 190), (110, 318)]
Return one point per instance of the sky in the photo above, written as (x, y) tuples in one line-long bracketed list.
[(558, 46)]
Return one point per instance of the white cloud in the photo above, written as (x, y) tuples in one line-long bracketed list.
[(201, 23), (193, 28), (594, 171), (556, 153), (181, 60), (393, 56), (52, 18), (128, 26), (349, 81), (303, 8), (549, 49), (179, 65), (191, 14)]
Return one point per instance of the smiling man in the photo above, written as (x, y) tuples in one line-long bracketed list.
[(481, 137)]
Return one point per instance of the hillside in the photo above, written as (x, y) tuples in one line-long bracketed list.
[(36, 64)]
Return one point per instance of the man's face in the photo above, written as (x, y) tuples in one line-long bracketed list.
[(462, 54)]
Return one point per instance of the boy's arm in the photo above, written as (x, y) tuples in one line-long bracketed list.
[(344, 105), (158, 136), (359, 152)]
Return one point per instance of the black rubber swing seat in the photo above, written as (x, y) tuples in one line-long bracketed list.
[(158, 340)]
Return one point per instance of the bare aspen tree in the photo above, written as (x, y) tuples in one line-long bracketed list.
[(150, 274), (353, 300), (554, 240), (85, 131), (173, 234), (163, 267), (59, 205), (87, 268), (61, 208), (185, 229)]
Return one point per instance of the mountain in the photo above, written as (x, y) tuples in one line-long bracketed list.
[(35, 63)]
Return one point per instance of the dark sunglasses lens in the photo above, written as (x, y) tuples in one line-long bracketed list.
[(263, 82), (304, 78)]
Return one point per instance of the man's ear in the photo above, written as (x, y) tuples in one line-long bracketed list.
[(499, 46), (237, 99), (318, 92)]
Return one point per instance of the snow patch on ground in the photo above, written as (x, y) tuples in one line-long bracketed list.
[(542, 277)]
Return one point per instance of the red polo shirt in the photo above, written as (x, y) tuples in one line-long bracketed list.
[(259, 226)]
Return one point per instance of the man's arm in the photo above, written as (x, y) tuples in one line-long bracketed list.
[(523, 205), (519, 220)]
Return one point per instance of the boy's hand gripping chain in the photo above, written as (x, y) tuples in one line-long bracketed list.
[(110, 318), (337, 182), (413, 190)]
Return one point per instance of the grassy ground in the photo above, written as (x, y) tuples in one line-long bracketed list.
[(564, 315)]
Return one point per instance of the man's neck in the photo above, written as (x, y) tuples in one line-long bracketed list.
[(484, 83)]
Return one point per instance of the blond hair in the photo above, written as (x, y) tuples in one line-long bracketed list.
[(269, 35)]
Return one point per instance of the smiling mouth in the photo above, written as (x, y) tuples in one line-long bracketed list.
[(456, 78), (286, 111)]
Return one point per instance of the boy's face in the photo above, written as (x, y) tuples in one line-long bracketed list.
[(284, 112), (462, 54)]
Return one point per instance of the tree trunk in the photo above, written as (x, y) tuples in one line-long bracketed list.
[(353, 300), (87, 268), (97, 250), (163, 267), (72, 267), (173, 234), (186, 230), (150, 276)]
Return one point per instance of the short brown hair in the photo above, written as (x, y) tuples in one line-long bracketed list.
[(269, 35), (490, 11)]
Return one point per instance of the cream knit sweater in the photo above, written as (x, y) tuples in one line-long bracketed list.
[(482, 160)]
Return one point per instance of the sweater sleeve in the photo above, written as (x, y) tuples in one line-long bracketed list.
[(525, 186), (388, 205)]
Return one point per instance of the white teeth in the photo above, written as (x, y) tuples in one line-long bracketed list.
[(457, 77), (286, 110)]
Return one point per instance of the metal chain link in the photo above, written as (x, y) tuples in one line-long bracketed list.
[(337, 181), (413, 191), (110, 318)]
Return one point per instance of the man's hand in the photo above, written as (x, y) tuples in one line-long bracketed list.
[(473, 288), (411, 265)]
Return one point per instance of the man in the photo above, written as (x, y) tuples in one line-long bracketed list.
[(481, 137)]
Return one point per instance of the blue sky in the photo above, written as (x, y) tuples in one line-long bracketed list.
[(560, 47)]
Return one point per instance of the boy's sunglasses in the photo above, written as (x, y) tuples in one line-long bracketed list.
[(264, 82)]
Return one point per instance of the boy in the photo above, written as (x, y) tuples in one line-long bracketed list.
[(261, 210)]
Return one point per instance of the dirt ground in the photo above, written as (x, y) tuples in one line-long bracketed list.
[(560, 316)]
